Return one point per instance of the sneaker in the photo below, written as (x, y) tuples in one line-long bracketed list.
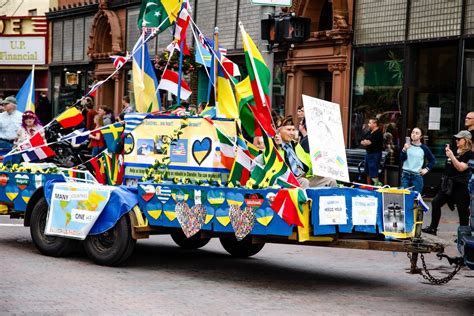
[(429, 230)]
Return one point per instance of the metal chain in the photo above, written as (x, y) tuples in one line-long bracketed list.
[(427, 276)]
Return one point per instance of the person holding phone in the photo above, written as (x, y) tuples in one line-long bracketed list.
[(454, 182), (413, 155)]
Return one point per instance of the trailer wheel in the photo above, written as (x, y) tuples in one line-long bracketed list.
[(193, 242), (241, 249), (112, 247), (47, 245)]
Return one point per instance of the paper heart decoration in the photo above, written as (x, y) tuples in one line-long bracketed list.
[(190, 219), (26, 196), (235, 199), (209, 214), (242, 220), (169, 212), (180, 196), (253, 200), (22, 181), (38, 180), (154, 209), (271, 197), (3, 180), (163, 194), (216, 197), (147, 191), (264, 216), (201, 149), (222, 216), (11, 192)]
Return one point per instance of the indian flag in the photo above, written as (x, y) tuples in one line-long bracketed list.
[(227, 150)]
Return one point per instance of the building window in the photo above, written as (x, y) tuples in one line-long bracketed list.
[(377, 93)]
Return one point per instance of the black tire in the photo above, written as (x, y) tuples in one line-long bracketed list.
[(193, 242), (47, 245), (113, 247), (240, 249)]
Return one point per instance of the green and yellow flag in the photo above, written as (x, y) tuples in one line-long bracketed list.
[(158, 13)]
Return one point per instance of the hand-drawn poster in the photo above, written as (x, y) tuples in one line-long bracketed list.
[(75, 208), (326, 138)]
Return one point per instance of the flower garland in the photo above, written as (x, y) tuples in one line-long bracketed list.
[(9, 167)]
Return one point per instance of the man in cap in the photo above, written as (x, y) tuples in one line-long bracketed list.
[(10, 122), (297, 158)]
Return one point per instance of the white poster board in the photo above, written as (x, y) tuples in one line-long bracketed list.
[(364, 210), (332, 210), (326, 138)]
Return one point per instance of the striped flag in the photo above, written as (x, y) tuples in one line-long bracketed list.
[(288, 204), (119, 61), (113, 165), (96, 168), (181, 26), (26, 96), (77, 137), (242, 167), (227, 150), (70, 118), (39, 150), (169, 82), (132, 120)]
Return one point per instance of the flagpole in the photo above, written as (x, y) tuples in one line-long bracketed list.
[(31, 94), (180, 72), (216, 67)]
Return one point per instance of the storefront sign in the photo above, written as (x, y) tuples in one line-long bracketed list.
[(326, 139), (279, 3), (24, 50)]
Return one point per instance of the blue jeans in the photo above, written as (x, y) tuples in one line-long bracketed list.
[(5, 147), (411, 179), (372, 164)]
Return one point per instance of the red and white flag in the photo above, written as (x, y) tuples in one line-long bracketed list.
[(169, 82), (181, 26), (39, 150), (230, 67), (118, 61)]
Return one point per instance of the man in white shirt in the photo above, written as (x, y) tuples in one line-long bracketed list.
[(10, 123)]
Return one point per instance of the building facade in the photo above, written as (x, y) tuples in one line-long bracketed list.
[(413, 66)]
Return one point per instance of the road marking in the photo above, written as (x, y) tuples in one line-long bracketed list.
[(11, 225)]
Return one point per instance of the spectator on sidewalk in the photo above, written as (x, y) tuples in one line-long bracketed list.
[(373, 143), (10, 122)]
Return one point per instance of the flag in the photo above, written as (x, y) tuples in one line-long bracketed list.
[(144, 80), (180, 27), (93, 91), (169, 82), (119, 61), (158, 13), (132, 120), (242, 167), (260, 77), (205, 51), (244, 95), (288, 204), (113, 165), (226, 105), (227, 150), (231, 69), (70, 118), (77, 137), (38, 150), (209, 112), (112, 135), (26, 96), (274, 168), (96, 168)]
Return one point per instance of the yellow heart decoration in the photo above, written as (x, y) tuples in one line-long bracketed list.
[(12, 195), (265, 220), (171, 215), (26, 199), (224, 220), (208, 218), (155, 214)]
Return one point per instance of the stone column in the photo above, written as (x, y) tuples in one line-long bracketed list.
[(340, 92)]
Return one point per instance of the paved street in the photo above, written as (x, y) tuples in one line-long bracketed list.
[(281, 280)]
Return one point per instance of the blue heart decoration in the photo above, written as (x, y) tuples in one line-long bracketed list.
[(201, 149)]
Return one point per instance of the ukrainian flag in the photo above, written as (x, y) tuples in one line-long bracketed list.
[(145, 84), (26, 96)]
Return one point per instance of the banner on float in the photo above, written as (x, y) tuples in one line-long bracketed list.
[(195, 155), (75, 208), (326, 138)]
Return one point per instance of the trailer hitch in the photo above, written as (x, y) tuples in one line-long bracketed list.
[(456, 260)]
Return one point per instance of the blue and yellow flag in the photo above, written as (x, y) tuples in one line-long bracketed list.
[(26, 96), (112, 135), (145, 84)]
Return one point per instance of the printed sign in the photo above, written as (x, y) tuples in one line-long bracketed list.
[(393, 212), (326, 138), (332, 210), (195, 155), (22, 50), (364, 210), (75, 208)]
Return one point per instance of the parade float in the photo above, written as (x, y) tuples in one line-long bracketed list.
[(196, 177)]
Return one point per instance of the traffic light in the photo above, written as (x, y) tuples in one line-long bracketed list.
[(288, 28)]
